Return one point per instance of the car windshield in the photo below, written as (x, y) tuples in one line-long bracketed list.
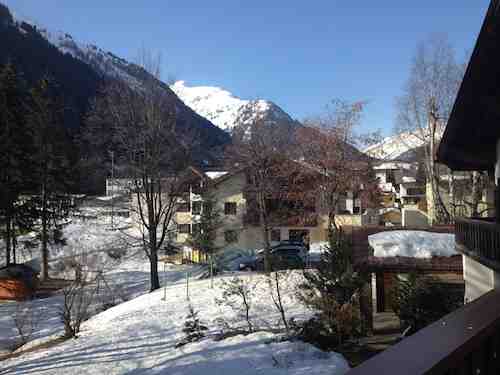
[(287, 251)]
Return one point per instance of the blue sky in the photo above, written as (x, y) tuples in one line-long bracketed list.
[(300, 54)]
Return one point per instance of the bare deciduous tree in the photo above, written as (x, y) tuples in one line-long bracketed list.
[(326, 145), (426, 103), (258, 149), (152, 150)]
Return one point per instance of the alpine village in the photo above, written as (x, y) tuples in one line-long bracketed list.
[(153, 226)]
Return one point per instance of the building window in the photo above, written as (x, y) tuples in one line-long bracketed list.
[(196, 207), (184, 228), (414, 191), (207, 207), (231, 236), (196, 228), (390, 177), (196, 188), (183, 207), (276, 235), (299, 235), (230, 208)]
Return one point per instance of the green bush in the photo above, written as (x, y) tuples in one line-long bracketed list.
[(419, 301), (332, 290)]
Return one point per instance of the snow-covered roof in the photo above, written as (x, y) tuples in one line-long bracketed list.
[(386, 187), (408, 179), (393, 166), (415, 244), (213, 174), (458, 176)]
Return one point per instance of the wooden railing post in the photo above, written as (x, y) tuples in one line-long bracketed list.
[(497, 202)]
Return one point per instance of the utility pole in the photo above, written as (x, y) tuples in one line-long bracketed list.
[(112, 195)]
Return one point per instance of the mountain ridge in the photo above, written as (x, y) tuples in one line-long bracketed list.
[(67, 67), (228, 111)]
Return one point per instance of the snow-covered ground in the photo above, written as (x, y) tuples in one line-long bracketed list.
[(417, 244), (139, 334)]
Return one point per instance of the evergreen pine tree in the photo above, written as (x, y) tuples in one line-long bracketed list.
[(51, 201), (204, 238), (332, 289), (194, 329), (15, 150)]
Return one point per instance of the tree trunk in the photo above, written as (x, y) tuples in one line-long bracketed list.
[(153, 260), (265, 233), (211, 259), (475, 194), (441, 214), (45, 251), (8, 237), (155, 280), (14, 242), (451, 188)]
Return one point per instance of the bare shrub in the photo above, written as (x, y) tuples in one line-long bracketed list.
[(78, 296), (117, 253), (238, 294), (26, 320), (274, 281)]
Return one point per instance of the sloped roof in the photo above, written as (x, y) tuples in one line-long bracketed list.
[(408, 264), (469, 141)]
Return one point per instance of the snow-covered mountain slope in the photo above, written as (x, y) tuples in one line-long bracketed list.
[(104, 62), (226, 110), (396, 147), (63, 58)]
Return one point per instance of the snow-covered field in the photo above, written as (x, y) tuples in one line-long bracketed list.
[(417, 244), (139, 334)]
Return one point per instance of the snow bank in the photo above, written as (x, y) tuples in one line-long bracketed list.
[(318, 247), (139, 336), (415, 244)]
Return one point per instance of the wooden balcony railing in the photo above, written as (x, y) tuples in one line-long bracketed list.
[(465, 342), (479, 239)]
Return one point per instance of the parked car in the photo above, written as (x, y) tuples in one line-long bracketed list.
[(282, 256)]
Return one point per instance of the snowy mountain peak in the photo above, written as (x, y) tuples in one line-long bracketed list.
[(395, 147), (226, 110)]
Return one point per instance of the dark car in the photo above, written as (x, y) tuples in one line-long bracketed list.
[(283, 256)]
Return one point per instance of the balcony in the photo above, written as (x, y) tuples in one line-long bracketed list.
[(303, 219), (480, 240), (466, 341)]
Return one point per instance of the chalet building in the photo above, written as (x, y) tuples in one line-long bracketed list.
[(466, 341), (404, 200), (291, 218), (297, 221)]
